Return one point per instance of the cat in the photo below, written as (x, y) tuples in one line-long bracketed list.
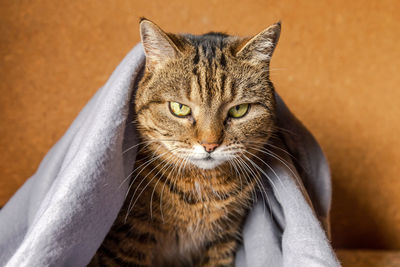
[(204, 110)]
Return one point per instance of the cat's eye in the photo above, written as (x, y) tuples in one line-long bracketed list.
[(179, 109), (239, 110)]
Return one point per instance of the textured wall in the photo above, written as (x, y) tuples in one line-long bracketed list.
[(337, 66)]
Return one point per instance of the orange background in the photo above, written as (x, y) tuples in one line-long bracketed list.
[(337, 66)]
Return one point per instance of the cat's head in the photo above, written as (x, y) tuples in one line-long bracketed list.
[(205, 100)]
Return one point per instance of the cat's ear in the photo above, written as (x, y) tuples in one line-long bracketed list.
[(157, 45), (259, 49)]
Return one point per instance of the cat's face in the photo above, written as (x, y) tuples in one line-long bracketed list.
[(205, 101)]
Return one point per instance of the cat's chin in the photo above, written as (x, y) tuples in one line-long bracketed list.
[(207, 163)]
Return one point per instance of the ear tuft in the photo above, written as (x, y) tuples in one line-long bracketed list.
[(157, 46), (259, 49)]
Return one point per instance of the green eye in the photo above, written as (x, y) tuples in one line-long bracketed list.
[(239, 110), (179, 109)]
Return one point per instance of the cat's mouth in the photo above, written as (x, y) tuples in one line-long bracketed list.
[(205, 160), (208, 161)]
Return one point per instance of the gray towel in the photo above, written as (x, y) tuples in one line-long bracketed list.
[(60, 216)]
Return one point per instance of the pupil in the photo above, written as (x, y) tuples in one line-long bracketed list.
[(237, 108), (180, 106)]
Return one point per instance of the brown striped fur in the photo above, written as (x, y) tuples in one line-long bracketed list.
[(182, 210)]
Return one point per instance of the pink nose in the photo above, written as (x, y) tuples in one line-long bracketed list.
[(210, 147)]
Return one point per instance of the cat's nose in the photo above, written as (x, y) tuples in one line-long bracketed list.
[(210, 147)]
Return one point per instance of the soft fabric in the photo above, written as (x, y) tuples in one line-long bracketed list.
[(61, 215)]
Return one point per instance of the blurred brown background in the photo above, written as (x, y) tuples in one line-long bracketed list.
[(337, 66)]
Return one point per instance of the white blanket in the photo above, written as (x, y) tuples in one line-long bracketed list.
[(60, 216)]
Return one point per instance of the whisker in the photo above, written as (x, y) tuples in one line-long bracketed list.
[(284, 130), (165, 164), (266, 175), (269, 167), (133, 171), (246, 175), (162, 190), (284, 162), (137, 175), (268, 144), (258, 181), (130, 207), (230, 162)]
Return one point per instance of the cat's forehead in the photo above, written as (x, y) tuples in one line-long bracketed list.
[(209, 46), (208, 84), (209, 75)]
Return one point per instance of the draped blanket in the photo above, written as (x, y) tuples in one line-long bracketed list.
[(61, 215)]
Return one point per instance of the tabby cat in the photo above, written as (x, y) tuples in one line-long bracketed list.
[(205, 108)]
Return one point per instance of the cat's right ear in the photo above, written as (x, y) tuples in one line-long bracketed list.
[(158, 46), (259, 49)]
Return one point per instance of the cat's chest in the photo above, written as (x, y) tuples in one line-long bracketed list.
[(192, 202), (186, 212), (196, 209), (187, 236)]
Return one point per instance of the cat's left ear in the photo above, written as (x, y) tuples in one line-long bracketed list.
[(157, 45), (259, 49)]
